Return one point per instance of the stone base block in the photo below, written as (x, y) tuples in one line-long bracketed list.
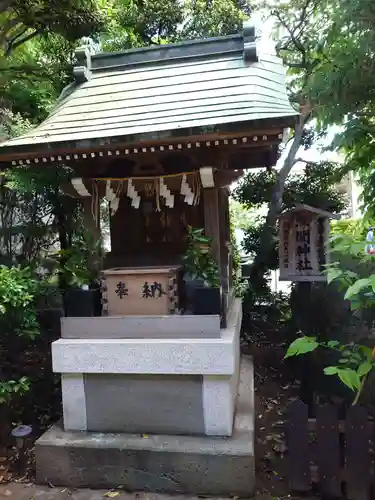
[(181, 386), (159, 463)]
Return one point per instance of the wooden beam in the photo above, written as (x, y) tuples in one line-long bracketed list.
[(212, 229), (224, 252), (211, 219)]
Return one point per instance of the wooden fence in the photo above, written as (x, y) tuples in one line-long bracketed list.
[(334, 456)]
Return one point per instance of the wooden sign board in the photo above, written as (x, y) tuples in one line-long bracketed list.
[(140, 291), (303, 235)]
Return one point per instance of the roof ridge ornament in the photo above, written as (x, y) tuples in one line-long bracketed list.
[(250, 54), (82, 72)]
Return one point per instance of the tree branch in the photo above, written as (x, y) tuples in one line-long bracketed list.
[(11, 23), (10, 42), (306, 162), (304, 15), (289, 160), (17, 41), (299, 46)]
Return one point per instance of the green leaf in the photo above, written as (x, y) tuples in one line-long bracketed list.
[(331, 370), (355, 357), (372, 279), (364, 368), (346, 353), (301, 345), (351, 274), (333, 343), (349, 377), (367, 351), (356, 288), (333, 273)]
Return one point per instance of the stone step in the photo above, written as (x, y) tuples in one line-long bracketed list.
[(198, 465), (19, 491)]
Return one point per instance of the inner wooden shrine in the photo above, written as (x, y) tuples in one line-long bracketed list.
[(152, 208)]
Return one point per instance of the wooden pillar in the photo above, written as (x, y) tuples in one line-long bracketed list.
[(229, 241), (211, 220), (224, 239), (212, 229)]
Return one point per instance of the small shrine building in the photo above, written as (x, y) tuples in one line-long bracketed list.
[(184, 120), (160, 133)]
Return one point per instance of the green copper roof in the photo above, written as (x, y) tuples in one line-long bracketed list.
[(155, 92)]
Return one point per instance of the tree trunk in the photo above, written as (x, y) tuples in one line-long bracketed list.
[(259, 266)]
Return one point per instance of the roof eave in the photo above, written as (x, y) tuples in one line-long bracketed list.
[(18, 152)]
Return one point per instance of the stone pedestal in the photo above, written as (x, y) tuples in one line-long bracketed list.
[(149, 402), (142, 384), (199, 465)]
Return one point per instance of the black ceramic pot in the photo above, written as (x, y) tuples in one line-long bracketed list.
[(207, 300), (190, 284), (97, 297), (83, 303)]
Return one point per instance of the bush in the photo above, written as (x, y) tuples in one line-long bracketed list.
[(18, 289), (18, 320), (347, 227), (343, 329)]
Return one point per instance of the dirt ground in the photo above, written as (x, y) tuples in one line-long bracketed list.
[(275, 388)]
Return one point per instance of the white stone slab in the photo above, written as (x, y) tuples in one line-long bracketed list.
[(218, 404), (74, 402), (173, 326), (220, 392), (147, 356)]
